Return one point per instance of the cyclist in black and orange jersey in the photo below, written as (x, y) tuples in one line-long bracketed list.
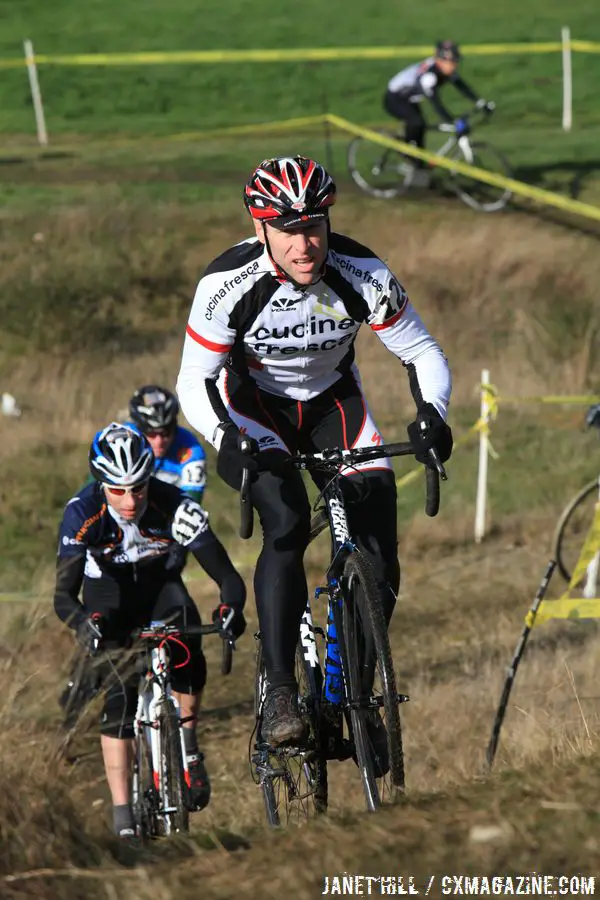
[(118, 544)]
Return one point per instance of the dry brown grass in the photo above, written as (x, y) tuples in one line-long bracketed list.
[(454, 630)]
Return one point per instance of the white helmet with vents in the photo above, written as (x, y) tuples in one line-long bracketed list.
[(120, 456)]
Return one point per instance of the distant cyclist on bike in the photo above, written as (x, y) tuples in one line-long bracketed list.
[(423, 80), (118, 543), (269, 353), (179, 456)]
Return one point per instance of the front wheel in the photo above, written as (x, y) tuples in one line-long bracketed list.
[(573, 527), (143, 792), (379, 171), (477, 194), (173, 813), (372, 700)]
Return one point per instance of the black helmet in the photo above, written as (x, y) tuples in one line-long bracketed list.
[(153, 407), (447, 50)]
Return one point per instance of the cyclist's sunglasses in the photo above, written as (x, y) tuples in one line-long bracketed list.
[(160, 432), (136, 489)]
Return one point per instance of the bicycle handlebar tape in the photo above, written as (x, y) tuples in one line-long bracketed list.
[(227, 657), (432, 483)]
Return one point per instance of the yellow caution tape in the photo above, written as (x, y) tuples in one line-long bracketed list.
[(299, 54), (567, 607), (591, 546), (251, 128), (409, 477), (585, 46), (551, 398), (296, 124), (490, 394), (511, 184)]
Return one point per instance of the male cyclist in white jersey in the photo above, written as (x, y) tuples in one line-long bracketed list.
[(269, 353), (406, 91)]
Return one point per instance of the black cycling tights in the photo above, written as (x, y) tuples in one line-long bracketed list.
[(280, 582)]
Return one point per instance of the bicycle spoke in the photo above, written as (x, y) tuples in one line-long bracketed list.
[(374, 716), (477, 194), (379, 171), (573, 528)]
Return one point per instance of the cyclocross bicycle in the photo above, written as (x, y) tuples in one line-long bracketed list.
[(576, 521), (386, 173), (358, 684), (161, 780)]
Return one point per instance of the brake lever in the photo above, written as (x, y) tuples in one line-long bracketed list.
[(434, 456), (438, 464)]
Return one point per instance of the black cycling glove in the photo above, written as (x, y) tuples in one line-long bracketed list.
[(231, 461), (436, 434), (230, 619)]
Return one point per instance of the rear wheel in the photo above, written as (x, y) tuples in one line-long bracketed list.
[(293, 780), (477, 194), (573, 527), (370, 684), (379, 171), (173, 814)]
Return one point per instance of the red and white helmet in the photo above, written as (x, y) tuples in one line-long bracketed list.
[(289, 191)]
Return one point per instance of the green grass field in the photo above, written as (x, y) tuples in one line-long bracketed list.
[(145, 103), (164, 99)]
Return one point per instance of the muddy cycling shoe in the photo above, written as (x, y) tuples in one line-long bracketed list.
[(281, 722), (199, 787), (378, 743)]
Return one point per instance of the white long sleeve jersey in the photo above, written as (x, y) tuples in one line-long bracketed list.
[(295, 342)]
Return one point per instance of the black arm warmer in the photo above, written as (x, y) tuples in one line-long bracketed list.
[(465, 90), (215, 561), (69, 576), (440, 108)]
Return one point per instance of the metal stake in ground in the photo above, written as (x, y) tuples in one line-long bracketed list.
[(512, 669)]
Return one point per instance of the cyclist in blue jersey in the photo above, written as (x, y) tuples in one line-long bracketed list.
[(179, 456), (118, 545)]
